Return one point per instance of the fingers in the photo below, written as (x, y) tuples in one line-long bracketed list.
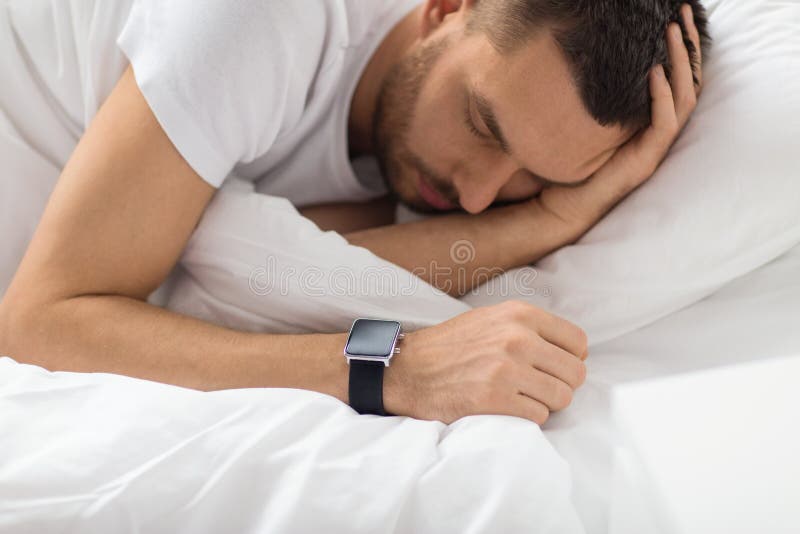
[(682, 79), (563, 334), (528, 408), (549, 327), (665, 124), (545, 388), (558, 363), (694, 36), (542, 364), (674, 100)]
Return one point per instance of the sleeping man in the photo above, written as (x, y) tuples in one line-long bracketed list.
[(517, 123)]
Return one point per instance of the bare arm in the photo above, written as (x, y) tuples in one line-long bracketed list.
[(347, 217), (457, 252), (435, 248), (114, 227)]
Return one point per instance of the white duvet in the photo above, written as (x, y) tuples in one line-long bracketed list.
[(686, 426), (102, 453)]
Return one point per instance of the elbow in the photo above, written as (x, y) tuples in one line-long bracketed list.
[(15, 328), (5, 329)]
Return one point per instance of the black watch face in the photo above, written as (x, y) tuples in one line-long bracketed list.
[(374, 338)]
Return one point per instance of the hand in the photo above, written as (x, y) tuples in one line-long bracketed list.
[(673, 103), (507, 359)]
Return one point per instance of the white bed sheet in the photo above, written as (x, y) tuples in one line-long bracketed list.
[(687, 425), (690, 424)]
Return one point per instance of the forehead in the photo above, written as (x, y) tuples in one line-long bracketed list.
[(539, 108)]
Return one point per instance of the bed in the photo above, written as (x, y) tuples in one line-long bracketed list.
[(687, 425)]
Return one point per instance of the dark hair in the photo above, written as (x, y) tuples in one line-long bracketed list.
[(611, 45)]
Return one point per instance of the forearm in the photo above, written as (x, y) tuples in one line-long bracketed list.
[(457, 252), (125, 336), (350, 217)]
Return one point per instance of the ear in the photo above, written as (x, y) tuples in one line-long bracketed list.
[(436, 11)]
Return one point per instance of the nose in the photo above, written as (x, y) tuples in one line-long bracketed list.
[(476, 192)]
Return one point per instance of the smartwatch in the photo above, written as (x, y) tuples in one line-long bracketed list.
[(369, 350)]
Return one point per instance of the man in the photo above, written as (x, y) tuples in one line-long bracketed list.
[(521, 122)]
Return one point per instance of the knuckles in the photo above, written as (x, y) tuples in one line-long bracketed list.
[(501, 368), (518, 310), (515, 340)]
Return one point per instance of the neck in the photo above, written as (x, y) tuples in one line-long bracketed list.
[(365, 98)]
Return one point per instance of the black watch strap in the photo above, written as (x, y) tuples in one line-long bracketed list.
[(366, 387)]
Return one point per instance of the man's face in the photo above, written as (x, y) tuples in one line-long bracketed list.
[(461, 126)]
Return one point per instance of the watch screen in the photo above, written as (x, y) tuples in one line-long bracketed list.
[(372, 338)]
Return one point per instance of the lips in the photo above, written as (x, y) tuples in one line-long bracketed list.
[(433, 197)]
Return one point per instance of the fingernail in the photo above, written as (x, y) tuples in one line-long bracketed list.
[(659, 70)]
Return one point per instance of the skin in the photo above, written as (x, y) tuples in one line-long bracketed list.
[(541, 128), (126, 204)]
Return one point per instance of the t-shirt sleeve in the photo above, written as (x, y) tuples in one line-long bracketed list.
[(221, 77)]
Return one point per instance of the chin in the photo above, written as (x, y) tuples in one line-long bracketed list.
[(401, 187), (408, 198), (400, 176), (418, 207)]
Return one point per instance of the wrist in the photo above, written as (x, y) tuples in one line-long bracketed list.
[(397, 382), (529, 232), (336, 371)]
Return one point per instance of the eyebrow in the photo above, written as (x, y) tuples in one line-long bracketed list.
[(486, 112)]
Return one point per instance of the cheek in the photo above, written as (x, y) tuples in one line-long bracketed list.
[(434, 133), (436, 127)]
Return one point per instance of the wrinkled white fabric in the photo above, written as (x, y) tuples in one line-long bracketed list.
[(688, 425), (260, 89), (254, 263), (97, 453)]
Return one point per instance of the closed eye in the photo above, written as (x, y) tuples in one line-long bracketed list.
[(469, 122)]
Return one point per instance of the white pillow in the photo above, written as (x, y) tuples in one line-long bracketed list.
[(726, 201)]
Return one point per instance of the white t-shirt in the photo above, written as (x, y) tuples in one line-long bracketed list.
[(260, 89), (257, 89)]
